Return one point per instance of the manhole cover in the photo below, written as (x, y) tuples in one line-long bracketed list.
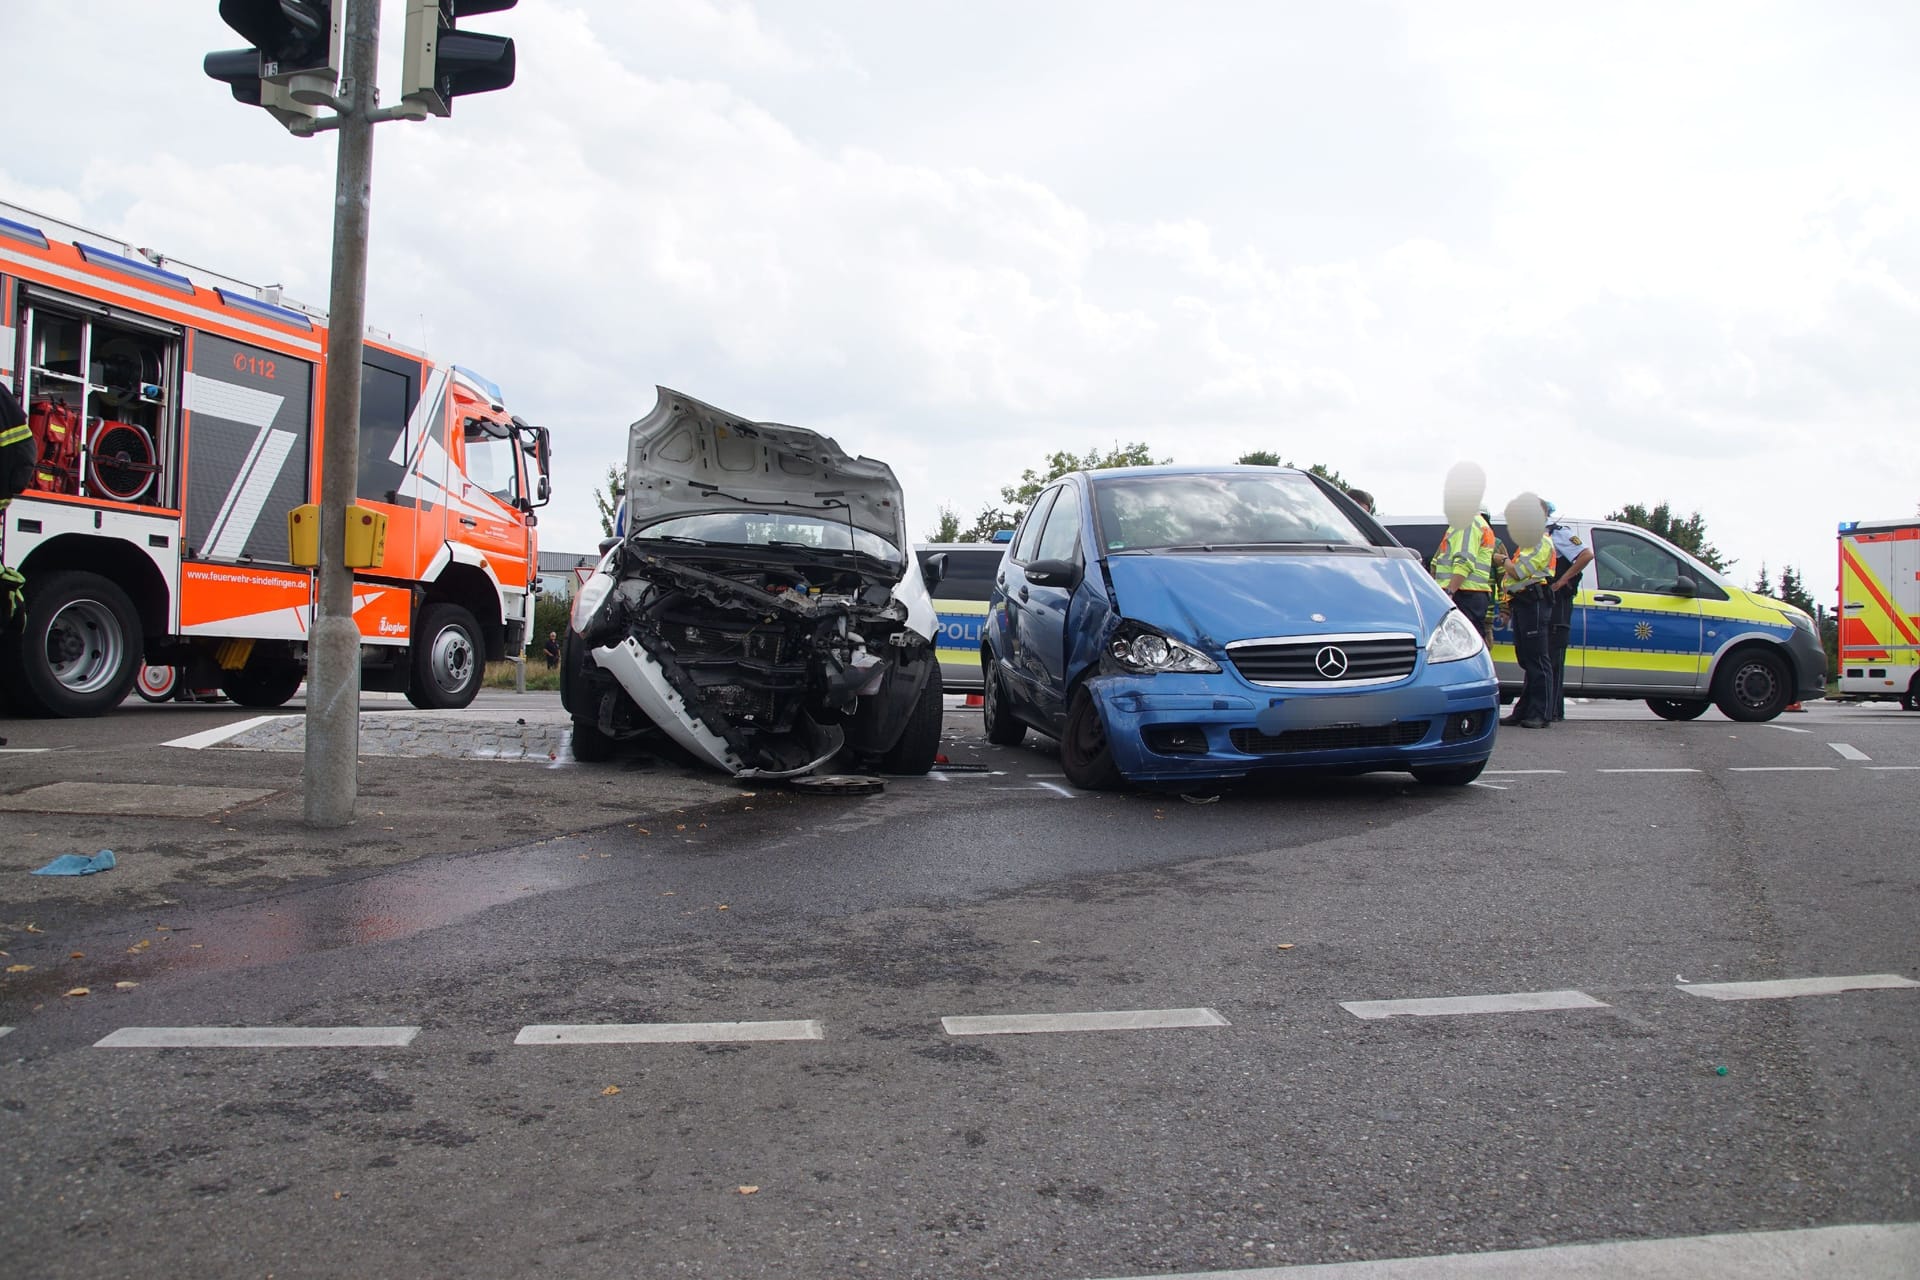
[(837, 784)]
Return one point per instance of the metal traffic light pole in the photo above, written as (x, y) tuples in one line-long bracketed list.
[(333, 651)]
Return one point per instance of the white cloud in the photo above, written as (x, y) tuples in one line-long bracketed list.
[(1625, 254)]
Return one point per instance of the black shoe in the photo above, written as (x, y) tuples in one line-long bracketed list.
[(1534, 724), (1509, 719)]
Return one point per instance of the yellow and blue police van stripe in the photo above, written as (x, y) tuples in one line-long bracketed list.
[(956, 641)]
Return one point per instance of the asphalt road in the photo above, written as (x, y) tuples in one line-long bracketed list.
[(1283, 1128)]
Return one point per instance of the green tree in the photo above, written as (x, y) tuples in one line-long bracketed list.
[(609, 501), (948, 530), (1794, 591), (1032, 481), (990, 521), (1689, 534), (1762, 583), (1268, 458)]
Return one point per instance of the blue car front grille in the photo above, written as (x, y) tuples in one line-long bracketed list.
[(1299, 662), (1402, 733)]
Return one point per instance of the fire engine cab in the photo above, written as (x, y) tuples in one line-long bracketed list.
[(179, 416)]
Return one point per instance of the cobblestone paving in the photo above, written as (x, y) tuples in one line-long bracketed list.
[(542, 741)]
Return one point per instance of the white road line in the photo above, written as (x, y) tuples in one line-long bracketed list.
[(1015, 1024), (1849, 752), (671, 1032), (1046, 775), (1646, 771), (1881, 1252), (1782, 768), (1518, 1002), (1786, 988), (1491, 786), (4, 1030), (214, 737), (23, 751), (1057, 789), (258, 1038), (1892, 768), (1515, 773), (1785, 728)]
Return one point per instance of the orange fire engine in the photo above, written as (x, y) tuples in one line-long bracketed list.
[(179, 414)]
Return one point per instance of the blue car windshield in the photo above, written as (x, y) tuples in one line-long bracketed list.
[(1225, 510)]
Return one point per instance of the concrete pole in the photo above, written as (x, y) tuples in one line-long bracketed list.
[(333, 651)]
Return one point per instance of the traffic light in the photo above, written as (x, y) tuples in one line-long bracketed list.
[(239, 69), (441, 63), (294, 64)]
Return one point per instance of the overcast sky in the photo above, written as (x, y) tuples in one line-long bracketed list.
[(1613, 253)]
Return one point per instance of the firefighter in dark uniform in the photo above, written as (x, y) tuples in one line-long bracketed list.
[(18, 454), (1571, 557)]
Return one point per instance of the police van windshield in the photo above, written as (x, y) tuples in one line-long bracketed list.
[(1222, 511)]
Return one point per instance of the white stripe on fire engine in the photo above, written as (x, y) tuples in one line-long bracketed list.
[(248, 406), (251, 488)]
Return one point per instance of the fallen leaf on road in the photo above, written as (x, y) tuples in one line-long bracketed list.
[(339, 1195), (34, 928), (81, 991), (1283, 946), (76, 955), (18, 968), (643, 831), (681, 827), (195, 946), (610, 1090), (747, 1191), (125, 986)]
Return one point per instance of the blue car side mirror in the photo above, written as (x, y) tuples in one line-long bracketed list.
[(1054, 573)]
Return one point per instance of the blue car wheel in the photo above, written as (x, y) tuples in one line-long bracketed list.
[(1085, 756)]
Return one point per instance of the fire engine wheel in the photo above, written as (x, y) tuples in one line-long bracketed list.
[(448, 658), (79, 649), (157, 684), (1753, 685), (271, 676)]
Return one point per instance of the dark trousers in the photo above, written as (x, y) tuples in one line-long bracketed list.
[(1476, 605), (1532, 647), (1559, 633)]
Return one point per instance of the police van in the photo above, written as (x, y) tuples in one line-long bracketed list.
[(961, 590), (1652, 622)]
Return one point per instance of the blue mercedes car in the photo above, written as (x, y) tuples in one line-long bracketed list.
[(1181, 625)]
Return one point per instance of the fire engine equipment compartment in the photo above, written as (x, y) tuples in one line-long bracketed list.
[(764, 611)]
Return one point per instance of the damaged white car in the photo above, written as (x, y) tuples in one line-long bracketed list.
[(764, 609)]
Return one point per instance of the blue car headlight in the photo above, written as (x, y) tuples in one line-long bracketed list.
[(1143, 651), (1455, 638)]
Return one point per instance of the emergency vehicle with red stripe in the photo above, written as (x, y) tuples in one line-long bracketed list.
[(179, 418), (1880, 610)]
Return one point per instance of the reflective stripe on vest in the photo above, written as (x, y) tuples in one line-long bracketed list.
[(1535, 564), (1468, 553)]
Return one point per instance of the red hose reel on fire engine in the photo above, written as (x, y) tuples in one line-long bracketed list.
[(121, 462)]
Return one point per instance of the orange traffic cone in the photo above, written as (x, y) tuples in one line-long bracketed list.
[(1794, 706), (976, 700)]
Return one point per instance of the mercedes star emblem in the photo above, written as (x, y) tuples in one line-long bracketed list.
[(1331, 662)]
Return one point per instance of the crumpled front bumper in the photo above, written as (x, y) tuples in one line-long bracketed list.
[(1249, 730)]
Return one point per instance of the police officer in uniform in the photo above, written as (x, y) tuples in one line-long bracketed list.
[(1571, 557), (1527, 580)]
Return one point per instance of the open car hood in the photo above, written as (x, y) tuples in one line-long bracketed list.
[(686, 457)]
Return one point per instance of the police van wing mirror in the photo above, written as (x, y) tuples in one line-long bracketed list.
[(934, 569), (1685, 586)]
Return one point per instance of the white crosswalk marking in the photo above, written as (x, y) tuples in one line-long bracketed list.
[(258, 1038), (671, 1032), (1786, 988), (1013, 1024), (1518, 1002), (1848, 752)]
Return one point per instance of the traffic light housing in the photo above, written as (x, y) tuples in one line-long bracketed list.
[(239, 70), (441, 63)]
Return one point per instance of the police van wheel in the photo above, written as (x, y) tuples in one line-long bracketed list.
[(78, 650), (996, 718), (1679, 708), (1448, 775), (1754, 685), (448, 658), (1085, 756)]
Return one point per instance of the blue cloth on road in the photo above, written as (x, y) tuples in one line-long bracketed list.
[(75, 864)]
